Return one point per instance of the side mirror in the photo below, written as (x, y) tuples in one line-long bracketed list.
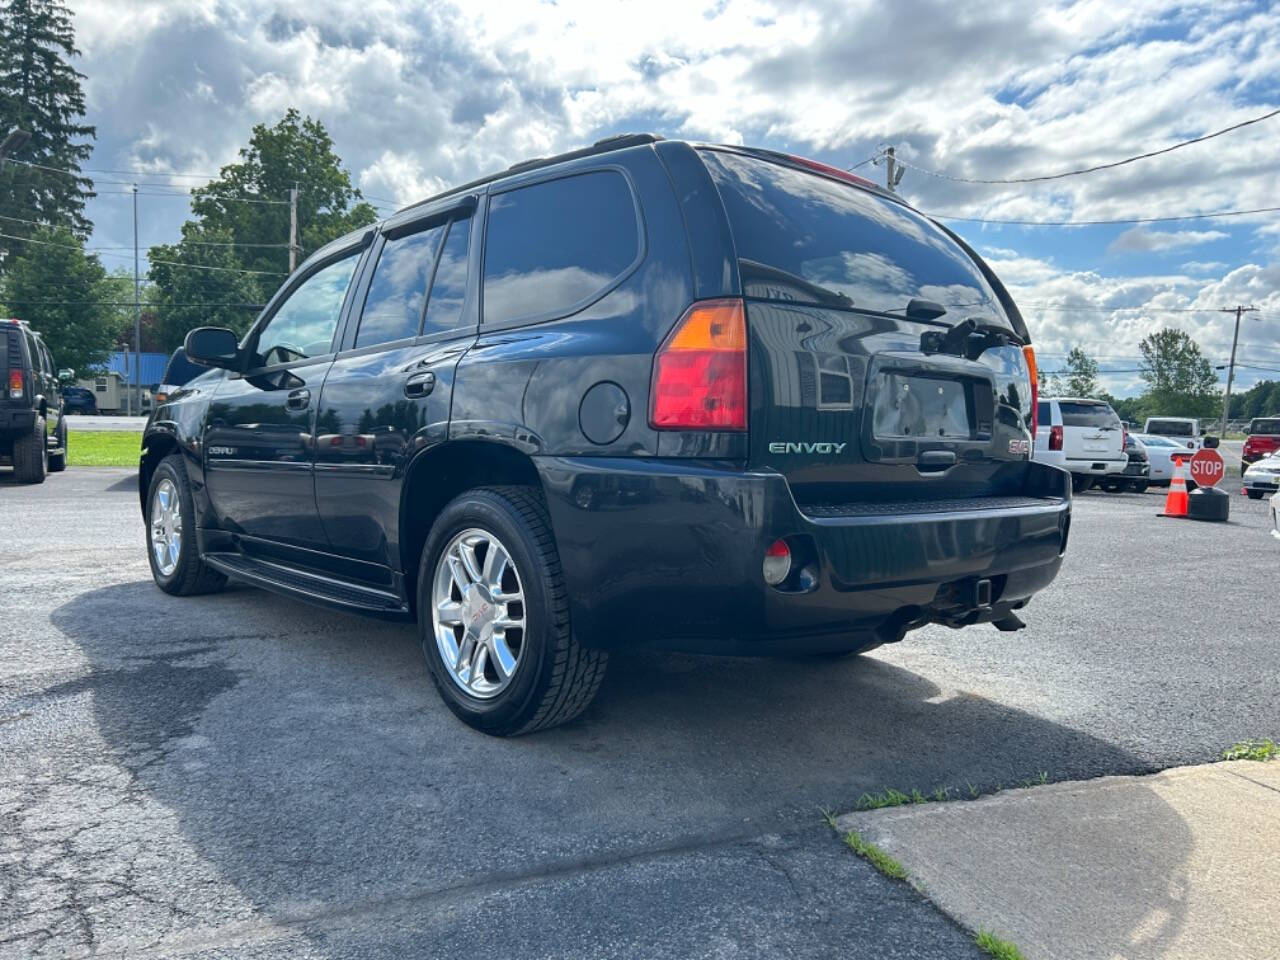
[(1211, 443), (213, 347), (66, 375)]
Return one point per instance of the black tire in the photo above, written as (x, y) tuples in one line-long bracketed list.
[(58, 461), (556, 677), (1079, 484), (1256, 494), (1138, 486), (1110, 486), (31, 455), (192, 575)]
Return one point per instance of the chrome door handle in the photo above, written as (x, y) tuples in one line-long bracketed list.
[(298, 399), (420, 385)]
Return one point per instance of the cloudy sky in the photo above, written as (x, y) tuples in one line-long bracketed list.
[(422, 95)]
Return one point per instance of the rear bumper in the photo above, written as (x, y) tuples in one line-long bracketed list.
[(1095, 468), (668, 553), (1134, 470), (17, 420)]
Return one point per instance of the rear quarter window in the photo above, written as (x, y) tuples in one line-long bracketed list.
[(551, 248), (803, 237), (1265, 427), (1087, 414), (1170, 428)]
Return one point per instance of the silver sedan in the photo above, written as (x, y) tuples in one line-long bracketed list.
[(1262, 477)]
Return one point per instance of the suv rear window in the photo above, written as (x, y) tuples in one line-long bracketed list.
[(553, 247), (1171, 428), (1077, 414), (805, 238), (1265, 428)]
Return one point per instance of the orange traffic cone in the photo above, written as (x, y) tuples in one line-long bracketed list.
[(1175, 504)]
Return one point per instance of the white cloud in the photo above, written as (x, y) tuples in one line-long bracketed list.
[(1142, 239)]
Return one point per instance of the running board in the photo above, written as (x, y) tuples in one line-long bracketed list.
[(309, 586)]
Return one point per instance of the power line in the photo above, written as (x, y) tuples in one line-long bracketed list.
[(1095, 168), (167, 263), (150, 308), (1097, 223)]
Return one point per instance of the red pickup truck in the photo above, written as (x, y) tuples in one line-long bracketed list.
[(1263, 439)]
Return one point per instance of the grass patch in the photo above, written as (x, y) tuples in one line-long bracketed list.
[(1252, 750), (897, 798), (103, 448), (993, 946), (875, 856)]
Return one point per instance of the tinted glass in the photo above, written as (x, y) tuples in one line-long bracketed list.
[(180, 370), (1076, 414), (1266, 428), (398, 291), (805, 238), (1043, 415), (551, 246), (449, 288), (1170, 428), (305, 323)]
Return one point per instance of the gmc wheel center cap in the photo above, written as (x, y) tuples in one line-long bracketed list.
[(477, 608)]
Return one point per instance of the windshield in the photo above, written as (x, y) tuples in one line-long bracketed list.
[(1265, 428), (1171, 428), (1079, 414), (805, 238)]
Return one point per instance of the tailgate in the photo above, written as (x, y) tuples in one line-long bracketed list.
[(847, 407), (1091, 430)]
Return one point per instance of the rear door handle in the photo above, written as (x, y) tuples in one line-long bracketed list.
[(420, 385), (298, 399)]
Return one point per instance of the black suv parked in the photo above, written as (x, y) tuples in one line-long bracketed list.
[(33, 435), (647, 392)]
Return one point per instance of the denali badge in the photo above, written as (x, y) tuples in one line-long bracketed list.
[(1020, 448), (778, 446), (222, 451)]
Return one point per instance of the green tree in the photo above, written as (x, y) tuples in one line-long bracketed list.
[(241, 223), (198, 281), (1180, 380), (40, 92), (1081, 374), (61, 292)]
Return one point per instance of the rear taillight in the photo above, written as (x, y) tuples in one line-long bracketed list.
[(1029, 352), (1124, 438), (1248, 445), (15, 384), (700, 371), (777, 563), (1055, 438)]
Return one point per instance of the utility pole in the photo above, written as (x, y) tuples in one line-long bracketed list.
[(893, 170), (137, 311), (293, 228), (1231, 368)]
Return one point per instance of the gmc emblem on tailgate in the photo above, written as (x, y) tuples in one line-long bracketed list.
[(1020, 448)]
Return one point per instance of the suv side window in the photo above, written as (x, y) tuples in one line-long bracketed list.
[(303, 326), (449, 288), (398, 292), (551, 247)]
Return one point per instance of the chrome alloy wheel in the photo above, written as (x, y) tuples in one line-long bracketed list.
[(477, 610), (166, 527)]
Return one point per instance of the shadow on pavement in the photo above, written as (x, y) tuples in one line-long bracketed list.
[(307, 757)]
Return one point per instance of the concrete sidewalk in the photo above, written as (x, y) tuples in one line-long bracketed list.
[(79, 421), (1185, 863)]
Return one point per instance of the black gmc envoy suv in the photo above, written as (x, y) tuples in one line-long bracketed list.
[(648, 392)]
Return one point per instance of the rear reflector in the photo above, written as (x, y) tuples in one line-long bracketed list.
[(700, 372), (777, 563)]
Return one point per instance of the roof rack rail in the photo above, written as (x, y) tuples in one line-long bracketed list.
[(619, 141)]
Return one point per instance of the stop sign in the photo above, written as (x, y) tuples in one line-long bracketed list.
[(1207, 468)]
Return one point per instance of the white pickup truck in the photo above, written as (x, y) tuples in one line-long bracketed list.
[(1081, 435)]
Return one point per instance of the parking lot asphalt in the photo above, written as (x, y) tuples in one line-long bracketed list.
[(244, 775)]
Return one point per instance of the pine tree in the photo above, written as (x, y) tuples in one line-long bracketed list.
[(40, 92)]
